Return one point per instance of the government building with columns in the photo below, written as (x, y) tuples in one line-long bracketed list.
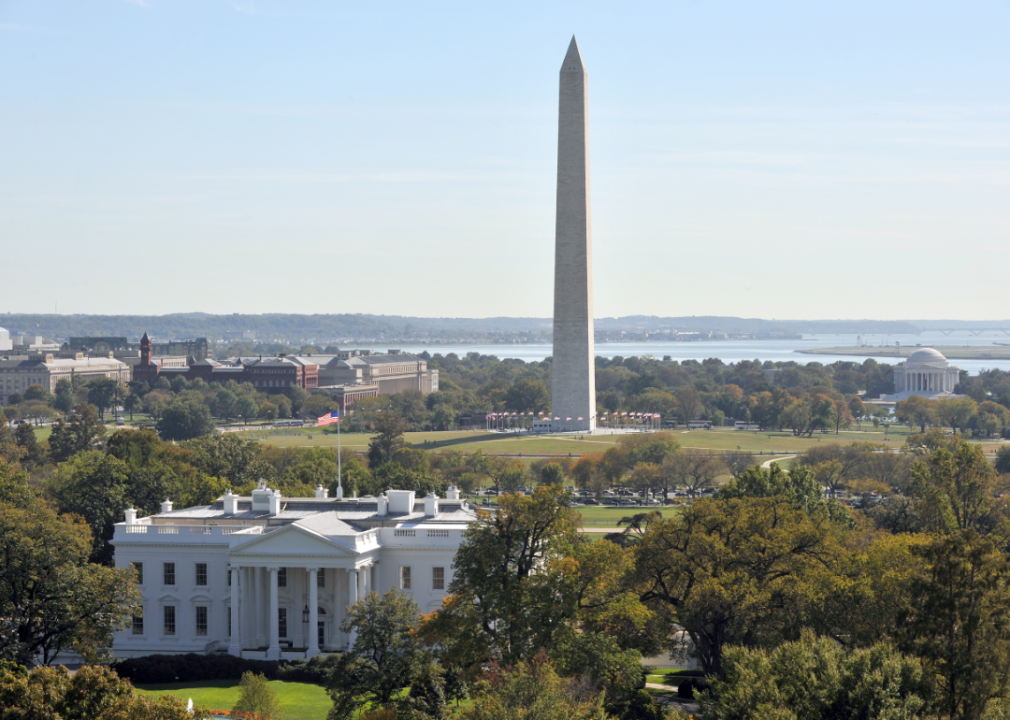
[(268, 577), (926, 373)]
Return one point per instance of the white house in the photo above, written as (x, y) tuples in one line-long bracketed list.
[(271, 577)]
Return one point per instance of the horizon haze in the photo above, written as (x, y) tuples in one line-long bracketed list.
[(775, 160)]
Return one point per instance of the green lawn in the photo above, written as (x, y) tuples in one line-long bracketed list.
[(719, 440), (607, 517), (299, 701)]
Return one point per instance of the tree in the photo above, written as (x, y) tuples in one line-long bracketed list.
[(1003, 460), (503, 602), (532, 691), (646, 478), (102, 393), (185, 419), (857, 409), (132, 403), (384, 658), (528, 395), (268, 411), (64, 399), (91, 693), (256, 698), (33, 454), (818, 679), (82, 432), (94, 486), (37, 393), (552, 474), (389, 440), (959, 622), (694, 469), (737, 462), (957, 490), (51, 598), (733, 572), (246, 408), (955, 412), (589, 474), (799, 487), (916, 410)]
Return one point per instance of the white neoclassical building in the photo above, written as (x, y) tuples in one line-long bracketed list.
[(926, 373), (271, 577)]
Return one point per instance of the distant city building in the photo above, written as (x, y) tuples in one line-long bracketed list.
[(926, 373), (17, 374), (266, 374), (198, 349), (351, 375), (239, 335), (5, 340)]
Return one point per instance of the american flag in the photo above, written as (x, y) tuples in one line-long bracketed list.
[(556, 417), (328, 419), (580, 418), (568, 419)]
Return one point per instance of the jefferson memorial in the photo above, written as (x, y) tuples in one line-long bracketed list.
[(267, 577), (926, 373)]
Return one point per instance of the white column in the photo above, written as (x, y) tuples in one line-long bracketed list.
[(258, 610), (352, 597), (274, 651), (235, 647), (313, 612)]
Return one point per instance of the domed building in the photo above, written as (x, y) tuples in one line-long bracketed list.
[(926, 373)]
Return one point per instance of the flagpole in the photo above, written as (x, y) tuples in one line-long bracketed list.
[(340, 485)]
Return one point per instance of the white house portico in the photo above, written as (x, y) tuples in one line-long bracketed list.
[(271, 577)]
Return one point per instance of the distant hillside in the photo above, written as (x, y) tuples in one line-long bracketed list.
[(359, 328)]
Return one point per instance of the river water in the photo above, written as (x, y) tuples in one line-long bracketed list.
[(730, 351)]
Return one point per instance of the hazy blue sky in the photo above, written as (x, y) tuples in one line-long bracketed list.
[(773, 159)]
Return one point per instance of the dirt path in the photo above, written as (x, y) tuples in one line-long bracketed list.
[(768, 463)]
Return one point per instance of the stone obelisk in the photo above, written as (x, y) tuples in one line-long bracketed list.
[(573, 391)]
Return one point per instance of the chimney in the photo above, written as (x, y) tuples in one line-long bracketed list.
[(452, 493), (131, 516), (230, 503), (383, 502), (166, 507), (431, 505), (321, 492), (275, 503)]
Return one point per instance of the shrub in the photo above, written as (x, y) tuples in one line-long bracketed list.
[(691, 687), (158, 669)]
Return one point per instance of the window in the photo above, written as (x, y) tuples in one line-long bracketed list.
[(138, 568), (282, 622), (282, 577), (169, 574), (201, 573), (405, 578), (201, 619), (138, 621), (321, 578), (438, 578), (169, 619)]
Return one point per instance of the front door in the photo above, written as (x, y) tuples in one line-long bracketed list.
[(321, 634)]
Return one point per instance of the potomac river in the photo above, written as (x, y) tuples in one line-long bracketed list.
[(730, 351)]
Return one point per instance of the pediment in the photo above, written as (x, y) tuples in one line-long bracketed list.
[(291, 540)]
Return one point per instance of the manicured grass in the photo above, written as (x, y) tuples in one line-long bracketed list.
[(299, 701), (719, 440), (607, 517)]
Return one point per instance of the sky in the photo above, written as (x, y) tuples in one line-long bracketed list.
[(758, 159)]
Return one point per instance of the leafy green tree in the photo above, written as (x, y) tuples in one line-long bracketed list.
[(389, 440), (268, 411), (916, 410), (799, 486), (10, 450), (132, 403), (957, 490), (93, 485), (51, 598), (91, 693), (736, 571), (552, 474), (818, 679), (532, 690), (527, 394), (102, 394), (33, 454), (185, 419), (954, 412), (81, 433), (37, 393), (384, 658), (246, 408), (256, 698), (959, 623), (226, 455), (64, 399), (1002, 463)]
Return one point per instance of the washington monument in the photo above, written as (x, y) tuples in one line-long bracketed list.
[(573, 391)]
